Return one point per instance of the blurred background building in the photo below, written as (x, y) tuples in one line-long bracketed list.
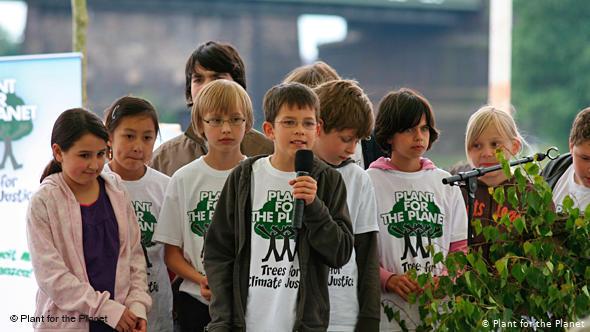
[(438, 47)]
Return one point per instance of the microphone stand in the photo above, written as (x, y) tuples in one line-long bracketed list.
[(469, 180)]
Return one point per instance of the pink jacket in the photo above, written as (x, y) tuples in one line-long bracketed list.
[(54, 234)]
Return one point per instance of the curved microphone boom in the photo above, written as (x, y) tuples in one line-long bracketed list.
[(469, 180), (552, 153)]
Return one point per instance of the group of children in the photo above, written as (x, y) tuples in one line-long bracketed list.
[(216, 206)]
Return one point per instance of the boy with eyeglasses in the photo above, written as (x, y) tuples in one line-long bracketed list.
[(221, 115), (264, 275)]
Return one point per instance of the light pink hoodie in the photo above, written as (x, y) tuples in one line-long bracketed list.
[(54, 234)]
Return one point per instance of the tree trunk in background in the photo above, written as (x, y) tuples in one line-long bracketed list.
[(79, 27)]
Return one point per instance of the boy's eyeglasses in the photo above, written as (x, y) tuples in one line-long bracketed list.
[(307, 124), (218, 122)]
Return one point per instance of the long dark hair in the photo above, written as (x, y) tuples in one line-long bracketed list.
[(68, 128)]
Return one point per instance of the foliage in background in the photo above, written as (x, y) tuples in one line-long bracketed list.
[(540, 265), (550, 66)]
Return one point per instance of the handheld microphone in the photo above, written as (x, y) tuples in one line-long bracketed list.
[(303, 166)]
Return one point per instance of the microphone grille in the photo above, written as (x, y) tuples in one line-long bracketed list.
[(303, 161)]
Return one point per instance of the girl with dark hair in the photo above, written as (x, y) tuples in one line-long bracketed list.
[(416, 211), (83, 237), (132, 124)]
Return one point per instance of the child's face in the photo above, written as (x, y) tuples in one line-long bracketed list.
[(294, 129), (410, 144), (202, 76), (224, 132), (482, 153), (336, 146), (581, 161), (83, 162), (132, 143)]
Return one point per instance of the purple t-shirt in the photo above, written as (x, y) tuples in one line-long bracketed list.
[(100, 234)]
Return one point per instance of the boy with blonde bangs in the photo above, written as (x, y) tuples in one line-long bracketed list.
[(221, 115), (347, 116), (265, 275), (570, 173)]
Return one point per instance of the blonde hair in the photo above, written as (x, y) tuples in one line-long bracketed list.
[(490, 116), (312, 75), (222, 96)]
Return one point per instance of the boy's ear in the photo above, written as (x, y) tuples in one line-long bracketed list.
[(571, 146), (320, 127), (269, 130), (57, 153)]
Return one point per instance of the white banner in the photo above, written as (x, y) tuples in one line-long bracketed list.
[(34, 90)]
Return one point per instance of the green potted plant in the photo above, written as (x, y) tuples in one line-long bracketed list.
[(538, 274)]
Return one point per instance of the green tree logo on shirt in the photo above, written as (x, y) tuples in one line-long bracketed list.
[(147, 222), (200, 218), (16, 120), (414, 215), (274, 222)]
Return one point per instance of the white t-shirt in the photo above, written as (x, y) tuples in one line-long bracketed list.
[(187, 213), (343, 282), (147, 195), (414, 210), (274, 265), (358, 156), (567, 186)]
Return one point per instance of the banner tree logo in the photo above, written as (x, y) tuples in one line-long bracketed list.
[(16, 120), (274, 222), (414, 214)]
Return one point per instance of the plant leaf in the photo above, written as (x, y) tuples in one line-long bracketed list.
[(499, 195), (531, 168), (568, 203), (519, 225), (530, 249), (518, 272), (511, 196)]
